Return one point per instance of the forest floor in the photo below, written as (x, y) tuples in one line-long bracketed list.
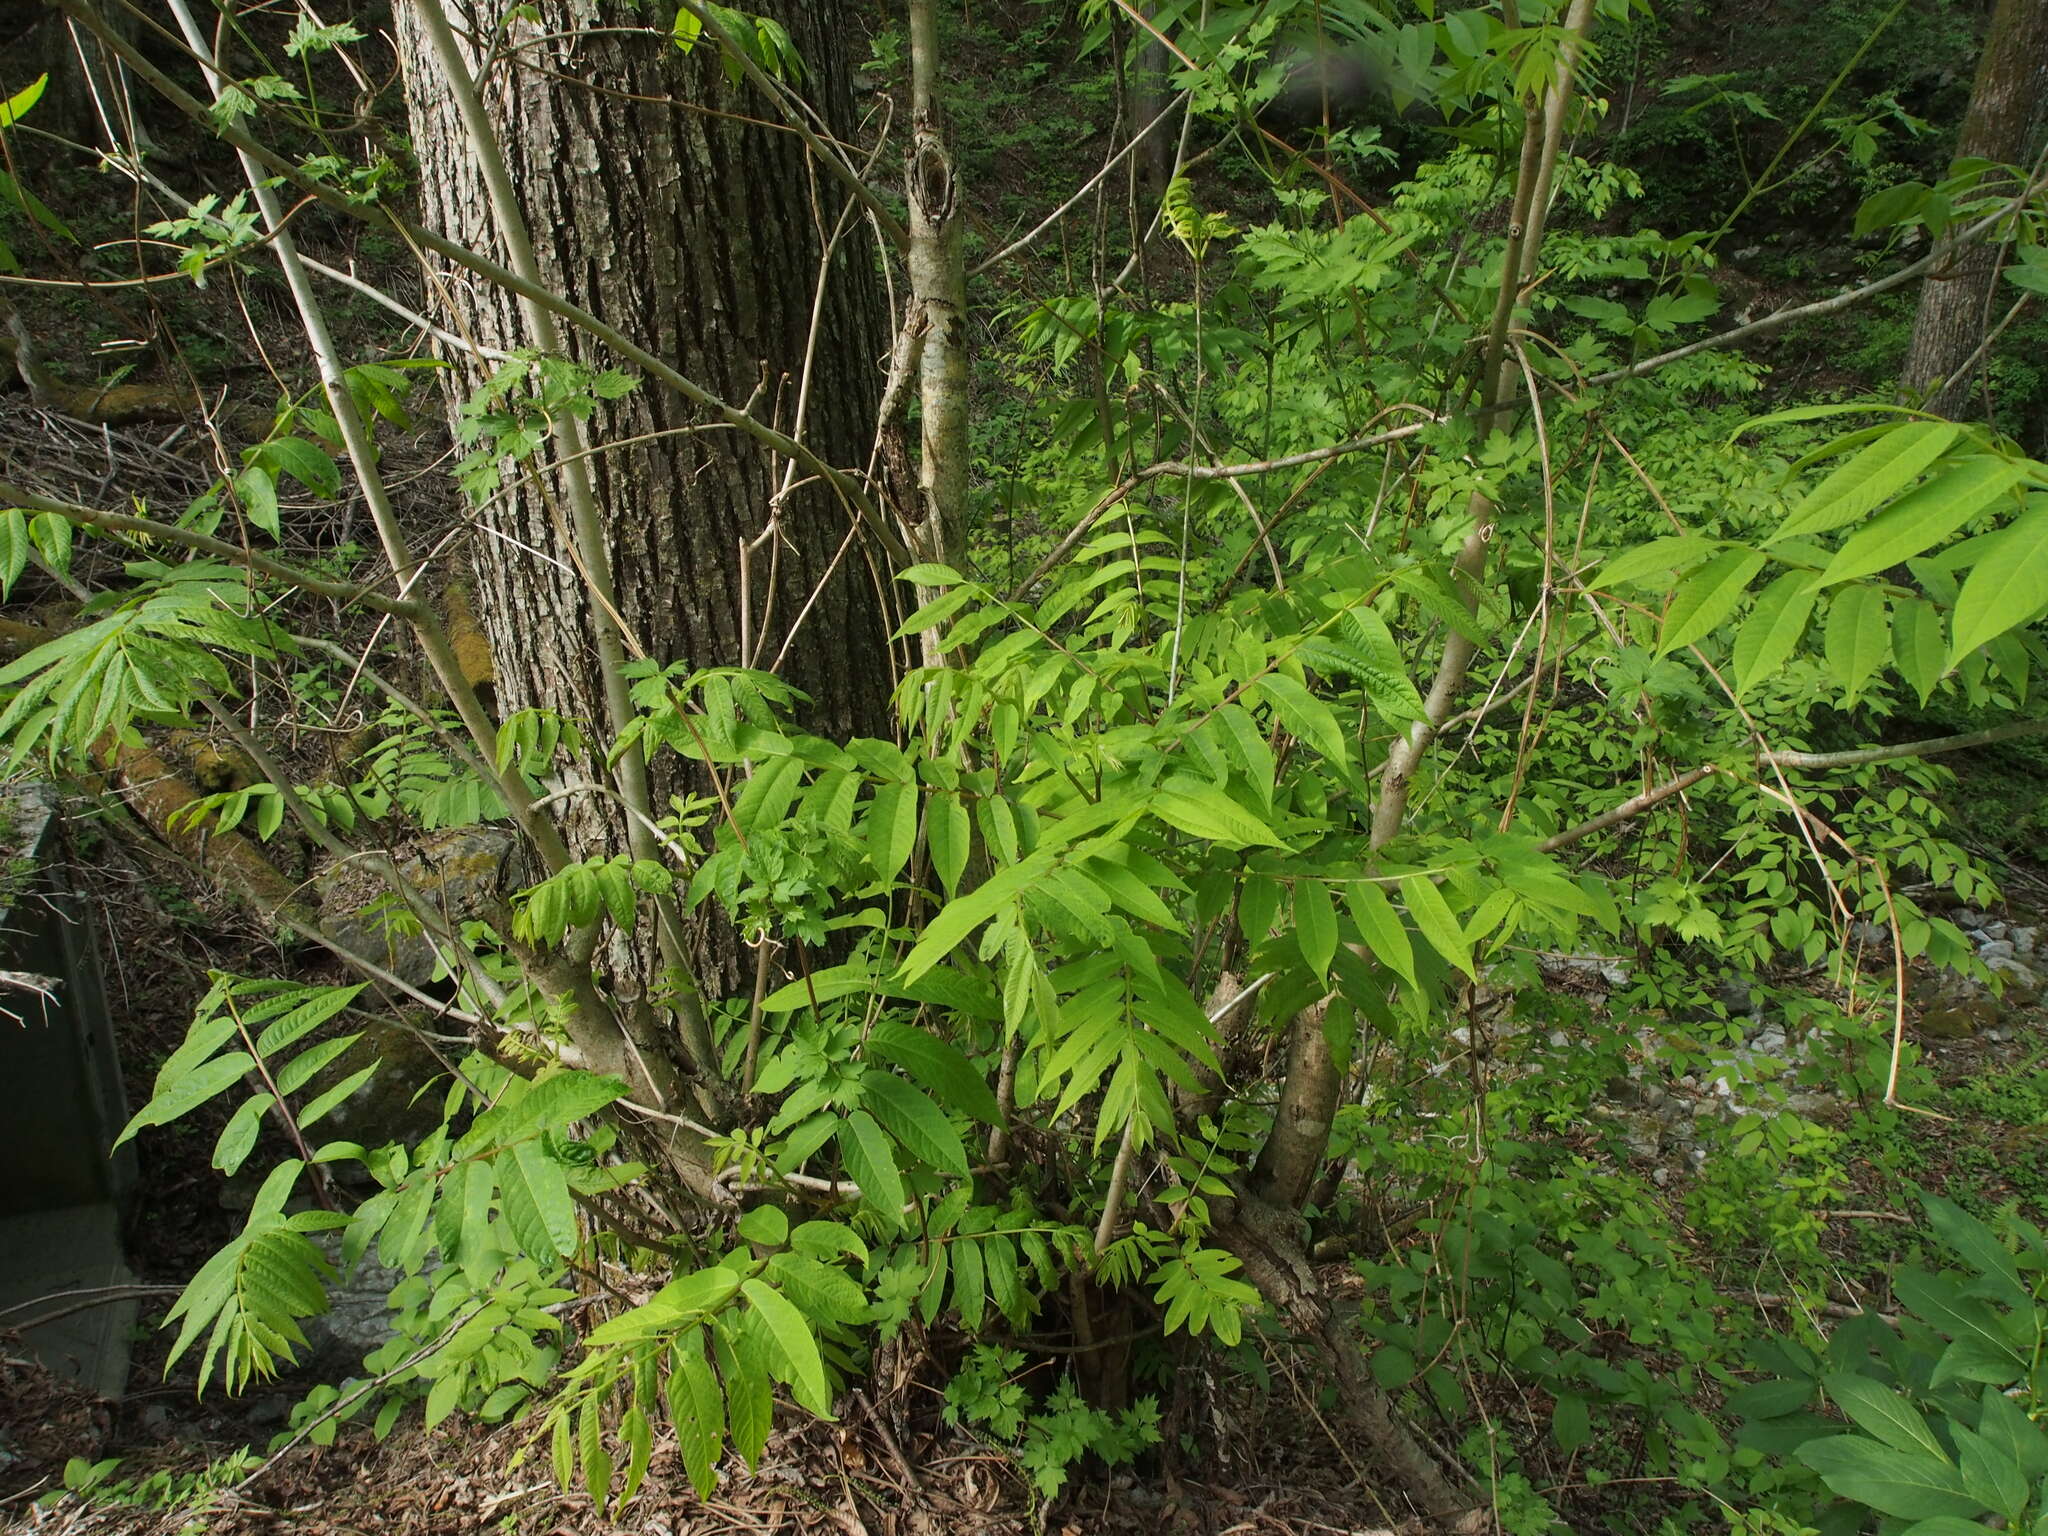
[(1241, 1456)]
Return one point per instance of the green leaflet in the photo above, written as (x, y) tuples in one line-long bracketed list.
[(1386, 682), (14, 547), (1653, 561), (1776, 622), (534, 1195), (1252, 750), (697, 1410), (1433, 917), (1315, 924), (305, 1066), (1306, 716), (950, 835), (1989, 1474), (639, 1437), (2005, 1425), (551, 1103), (328, 1100), (1204, 811), (238, 1136), (1924, 517), (796, 1350), (892, 828), (914, 1120), (824, 1291), (1873, 477), (963, 914), (936, 1063), (1979, 1247), (2009, 585), (1706, 597), (593, 1459), (1380, 926), (1858, 639), (869, 1162), (1883, 1413), (14, 106), (1911, 1485), (1919, 646), (189, 1091)]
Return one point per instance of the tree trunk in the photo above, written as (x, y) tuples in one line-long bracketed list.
[(666, 200), (1956, 302)]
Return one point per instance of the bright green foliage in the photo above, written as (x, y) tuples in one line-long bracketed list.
[(494, 1203), (1049, 1439), (254, 1031), (1944, 1409), (149, 658), (1315, 697)]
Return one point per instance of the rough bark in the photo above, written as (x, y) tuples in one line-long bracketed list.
[(664, 198), (1957, 301)]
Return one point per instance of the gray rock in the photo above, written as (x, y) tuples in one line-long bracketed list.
[(2024, 939), (1994, 951), (358, 1316), (1733, 993), (467, 874), (1660, 1177), (1959, 1020), (1968, 917), (388, 1106), (2022, 982), (1993, 931)]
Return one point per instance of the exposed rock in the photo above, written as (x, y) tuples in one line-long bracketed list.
[(389, 1106), (1995, 932), (1961, 1020), (2022, 982), (1969, 917), (1733, 993), (2024, 939), (358, 1317), (1611, 973), (467, 874), (1994, 951)]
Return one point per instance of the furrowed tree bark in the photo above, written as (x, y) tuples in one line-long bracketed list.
[(1957, 301), (672, 204)]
